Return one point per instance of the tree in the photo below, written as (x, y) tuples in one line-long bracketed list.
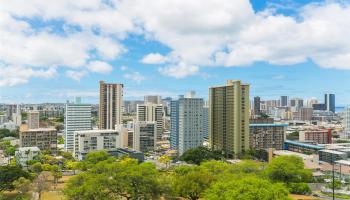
[(8, 148), (56, 173), (37, 167), (60, 140), (165, 160), (200, 154), (293, 136), (247, 188), (41, 184), (123, 179), (22, 185), (190, 181), (299, 188), (337, 185), (96, 156), (8, 174), (71, 165), (288, 169)]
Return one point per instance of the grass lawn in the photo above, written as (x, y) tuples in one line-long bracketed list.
[(337, 195), (52, 195), (12, 195)]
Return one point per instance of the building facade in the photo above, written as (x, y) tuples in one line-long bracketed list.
[(111, 102), (257, 110), (318, 136), (95, 140), (330, 102), (25, 154), (77, 118), (33, 119), (154, 99), (191, 125), (284, 101), (150, 112), (266, 135), (347, 119), (145, 134), (43, 138), (229, 118), (174, 124)]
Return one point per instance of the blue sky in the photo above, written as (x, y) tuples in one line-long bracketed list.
[(268, 44)]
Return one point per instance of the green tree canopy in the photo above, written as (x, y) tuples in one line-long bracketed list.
[(248, 188), (200, 154), (116, 180), (9, 174), (190, 181), (288, 169)]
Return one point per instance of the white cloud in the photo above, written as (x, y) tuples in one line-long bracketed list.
[(198, 33), (153, 58), (100, 67), (135, 76), (180, 70), (76, 75), (15, 75)]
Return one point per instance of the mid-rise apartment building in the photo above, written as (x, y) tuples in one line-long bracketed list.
[(267, 135), (43, 138), (145, 135)]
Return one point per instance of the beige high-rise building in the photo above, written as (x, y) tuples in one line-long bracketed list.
[(111, 102), (229, 118), (33, 119)]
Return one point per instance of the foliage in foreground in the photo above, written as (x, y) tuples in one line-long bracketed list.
[(110, 178)]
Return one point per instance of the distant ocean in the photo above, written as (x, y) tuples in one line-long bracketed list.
[(339, 109)]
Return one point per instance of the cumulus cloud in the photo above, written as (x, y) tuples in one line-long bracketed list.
[(180, 70), (229, 33), (135, 76), (14, 75), (198, 33), (100, 67), (153, 58), (76, 75)]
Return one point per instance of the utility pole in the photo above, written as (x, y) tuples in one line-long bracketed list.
[(333, 177)]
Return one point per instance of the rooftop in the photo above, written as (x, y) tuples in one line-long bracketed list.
[(28, 148), (97, 131), (40, 129), (268, 125), (333, 152), (310, 146)]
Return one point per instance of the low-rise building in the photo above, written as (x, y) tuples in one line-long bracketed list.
[(43, 138), (25, 154), (323, 136), (95, 140), (330, 156), (126, 152)]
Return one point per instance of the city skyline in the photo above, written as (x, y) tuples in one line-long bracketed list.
[(82, 49)]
